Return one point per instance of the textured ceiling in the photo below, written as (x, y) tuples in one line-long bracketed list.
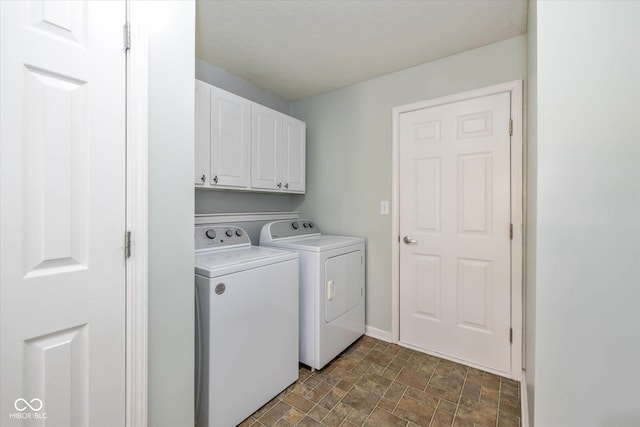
[(301, 48)]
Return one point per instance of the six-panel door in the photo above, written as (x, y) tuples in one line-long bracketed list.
[(62, 211), (455, 214)]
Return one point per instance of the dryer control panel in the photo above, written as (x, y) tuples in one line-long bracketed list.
[(220, 236), (292, 228)]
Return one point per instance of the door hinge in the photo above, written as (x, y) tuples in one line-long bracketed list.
[(511, 335), (511, 231), (510, 127), (127, 244), (126, 37)]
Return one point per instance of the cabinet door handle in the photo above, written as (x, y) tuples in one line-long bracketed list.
[(215, 179), (286, 185), (203, 178), (279, 185)]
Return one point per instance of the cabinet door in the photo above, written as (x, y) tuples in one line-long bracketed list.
[(202, 133), (293, 154), (266, 148), (230, 139)]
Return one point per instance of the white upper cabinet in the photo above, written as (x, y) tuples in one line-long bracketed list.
[(266, 148), (293, 154), (230, 139), (222, 138), (202, 133), (245, 146)]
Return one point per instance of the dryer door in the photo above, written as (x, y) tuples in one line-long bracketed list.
[(343, 284)]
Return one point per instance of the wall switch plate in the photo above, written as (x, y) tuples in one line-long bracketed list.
[(384, 207)]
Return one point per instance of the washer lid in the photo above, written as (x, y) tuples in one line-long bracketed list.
[(316, 243), (216, 263)]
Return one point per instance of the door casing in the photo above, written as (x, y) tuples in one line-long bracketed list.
[(517, 211), (137, 153)]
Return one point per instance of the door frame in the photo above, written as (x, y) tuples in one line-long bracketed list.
[(517, 210), (137, 168)]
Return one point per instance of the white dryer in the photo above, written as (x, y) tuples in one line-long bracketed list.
[(331, 287), (246, 324)]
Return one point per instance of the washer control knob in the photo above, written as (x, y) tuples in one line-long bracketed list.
[(238, 232), (310, 225), (304, 224), (210, 233), (229, 233), (295, 225)]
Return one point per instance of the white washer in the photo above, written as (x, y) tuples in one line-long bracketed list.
[(246, 324), (331, 287)]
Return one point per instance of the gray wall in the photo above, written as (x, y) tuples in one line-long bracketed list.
[(349, 149), (220, 201), (587, 343), (215, 201), (531, 204), (171, 27)]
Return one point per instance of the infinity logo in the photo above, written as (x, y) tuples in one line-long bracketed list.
[(21, 404)]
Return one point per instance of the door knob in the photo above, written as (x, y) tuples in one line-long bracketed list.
[(203, 178), (408, 240), (215, 179)]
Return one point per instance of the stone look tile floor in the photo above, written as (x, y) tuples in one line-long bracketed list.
[(375, 383)]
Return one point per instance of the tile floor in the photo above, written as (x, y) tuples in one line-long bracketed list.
[(374, 383)]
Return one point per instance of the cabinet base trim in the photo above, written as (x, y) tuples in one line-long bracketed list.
[(221, 218)]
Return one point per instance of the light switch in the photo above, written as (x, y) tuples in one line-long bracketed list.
[(384, 207)]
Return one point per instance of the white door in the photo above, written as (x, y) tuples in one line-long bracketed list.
[(455, 286), (266, 148), (202, 133), (230, 139), (293, 154), (62, 213)]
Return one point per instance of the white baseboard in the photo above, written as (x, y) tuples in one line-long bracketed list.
[(372, 332), (524, 402)]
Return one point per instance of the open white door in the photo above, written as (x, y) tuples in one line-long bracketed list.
[(455, 215), (62, 213)]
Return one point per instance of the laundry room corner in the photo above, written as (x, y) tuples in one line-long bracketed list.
[(349, 138)]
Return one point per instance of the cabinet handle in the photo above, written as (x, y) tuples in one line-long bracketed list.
[(279, 185), (203, 178), (286, 185), (215, 179)]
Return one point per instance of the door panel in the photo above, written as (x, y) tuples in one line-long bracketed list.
[(427, 295), (455, 203), (427, 194), (474, 194), (62, 211), (55, 160), (474, 294), (58, 366)]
